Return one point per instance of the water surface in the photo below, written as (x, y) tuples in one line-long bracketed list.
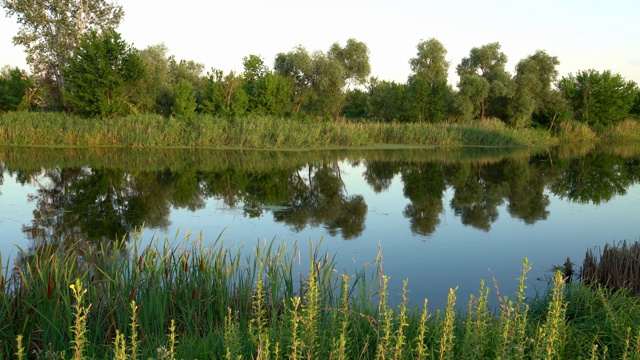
[(442, 218)]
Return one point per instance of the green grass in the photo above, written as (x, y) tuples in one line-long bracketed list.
[(184, 300), (202, 131)]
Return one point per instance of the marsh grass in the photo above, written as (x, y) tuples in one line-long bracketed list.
[(180, 299), (203, 131), (624, 131), (572, 131)]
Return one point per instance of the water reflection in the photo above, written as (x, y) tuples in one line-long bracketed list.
[(99, 203)]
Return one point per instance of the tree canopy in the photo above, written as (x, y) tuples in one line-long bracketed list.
[(599, 98), (101, 75), (50, 30)]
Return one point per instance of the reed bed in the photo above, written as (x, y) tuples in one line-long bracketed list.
[(203, 131), (615, 267), (184, 300), (625, 131)]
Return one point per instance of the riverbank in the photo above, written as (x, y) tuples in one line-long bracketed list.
[(202, 131), (178, 299)]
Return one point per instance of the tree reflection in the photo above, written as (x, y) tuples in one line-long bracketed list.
[(596, 177), (98, 204), (478, 191), (379, 174), (103, 204), (526, 198), (423, 185), (319, 198)]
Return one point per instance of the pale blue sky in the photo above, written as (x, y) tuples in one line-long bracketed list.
[(585, 34)]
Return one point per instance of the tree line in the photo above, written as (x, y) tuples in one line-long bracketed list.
[(80, 64)]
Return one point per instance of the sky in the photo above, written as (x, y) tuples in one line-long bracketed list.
[(585, 34)]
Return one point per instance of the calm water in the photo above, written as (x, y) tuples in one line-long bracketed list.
[(442, 219)]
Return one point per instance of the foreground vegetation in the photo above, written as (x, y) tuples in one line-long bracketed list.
[(189, 301)]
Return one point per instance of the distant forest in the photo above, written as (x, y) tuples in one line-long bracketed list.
[(80, 64)]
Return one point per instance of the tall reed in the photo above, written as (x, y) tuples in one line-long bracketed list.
[(204, 131)]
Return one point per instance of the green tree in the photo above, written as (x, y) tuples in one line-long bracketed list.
[(354, 59), (355, 104), (15, 89), (297, 67), (184, 106), (269, 93), (599, 99), (635, 109), (102, 74), (50, 30), (426, 102), (156, 82), (534, 77), (428, 95), (469, 101), (224, 95), (327, 84), (430, 61), (487, 62), (386, 100)]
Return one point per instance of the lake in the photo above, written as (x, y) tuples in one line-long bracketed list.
[(442, 218)]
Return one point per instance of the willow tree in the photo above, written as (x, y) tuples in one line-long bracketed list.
[(354, 60), (50, 30), (428, 95), (532, 82), (486, 64), (297, 66)]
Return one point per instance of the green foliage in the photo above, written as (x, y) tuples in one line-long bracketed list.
[(296, 66), (224, 96), (470, 100), (430, 62), (354, 58), (355, 104), (635, 110), (329, 78), (155, 85), (101, 75), (15, 89), (599, 99), (487, 62), (533, 94), (269, 94), (426, 102), (184, 105), (385, 100), (50, 30), (428, 97)]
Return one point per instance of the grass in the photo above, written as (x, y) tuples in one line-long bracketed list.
[(184, 300), (155, 131)]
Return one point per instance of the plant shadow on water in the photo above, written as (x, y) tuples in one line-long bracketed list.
[(403, 195)]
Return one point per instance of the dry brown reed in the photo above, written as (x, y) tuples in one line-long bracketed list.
[(617, 266)]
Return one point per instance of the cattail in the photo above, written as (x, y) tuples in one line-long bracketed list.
[(140, 263), (132, 293)]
